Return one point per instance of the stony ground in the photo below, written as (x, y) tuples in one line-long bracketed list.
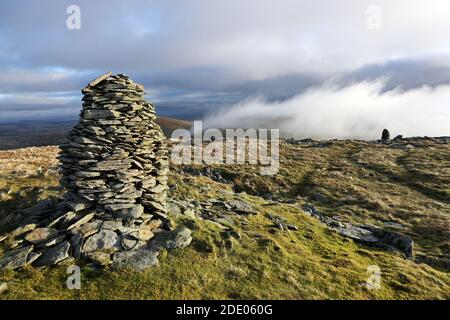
[(251, 235)]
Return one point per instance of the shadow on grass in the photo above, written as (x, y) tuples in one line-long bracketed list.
[(11, 215), (305, 186), (411, 178), (416, 179)]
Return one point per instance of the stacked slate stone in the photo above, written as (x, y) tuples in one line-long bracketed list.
[(114, 165), (115, 157)]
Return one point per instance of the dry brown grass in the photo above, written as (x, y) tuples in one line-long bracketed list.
[(28, 162)]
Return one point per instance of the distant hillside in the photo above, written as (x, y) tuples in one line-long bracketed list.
[(48, 133), (170, 124)]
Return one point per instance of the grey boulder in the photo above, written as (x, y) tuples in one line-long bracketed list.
[(178, 238), (103, 240), (138, 260), (357, 233)]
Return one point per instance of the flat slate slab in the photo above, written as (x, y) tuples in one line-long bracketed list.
[(40, 235), (96, 81), (358, 233), (16, 258), (53, 255)]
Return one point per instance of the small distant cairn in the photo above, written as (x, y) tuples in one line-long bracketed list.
[(114, 166), (385, 135)]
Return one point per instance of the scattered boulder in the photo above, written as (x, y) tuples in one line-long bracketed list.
[(367, 234), (357, 233), (394, 225), (240, 207), (282, 224), (174, 209), (179, 238), (399, 241), (212, 173)]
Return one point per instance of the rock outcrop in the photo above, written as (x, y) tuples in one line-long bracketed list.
[(366, 234)]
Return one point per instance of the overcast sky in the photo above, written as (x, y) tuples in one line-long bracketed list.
[(201, 55)]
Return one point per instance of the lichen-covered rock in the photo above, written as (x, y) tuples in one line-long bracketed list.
[(357, 233), (100, 258), (367, 234), (178, 238), (41, 235), (398, 241), (105, 240), (139, 260)]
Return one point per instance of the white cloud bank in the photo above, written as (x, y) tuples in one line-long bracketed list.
[(358, 111)]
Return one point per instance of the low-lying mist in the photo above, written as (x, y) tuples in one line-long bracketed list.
[(358, 111)]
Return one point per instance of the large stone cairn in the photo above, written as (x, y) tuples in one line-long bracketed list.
[(115, 157), (114, 166), (385, 135)]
